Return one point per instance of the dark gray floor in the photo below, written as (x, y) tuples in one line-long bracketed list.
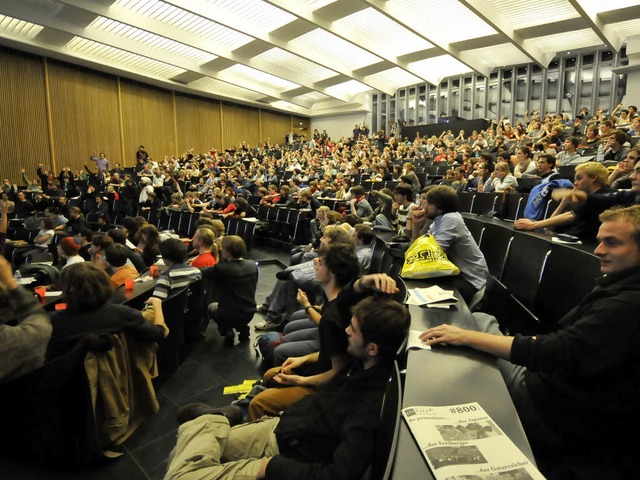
[(201, 378)]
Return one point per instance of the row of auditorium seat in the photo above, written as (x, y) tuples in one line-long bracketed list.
[(533, 282)]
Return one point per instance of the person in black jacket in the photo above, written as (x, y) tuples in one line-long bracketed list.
[(327, 435), (576, 389)]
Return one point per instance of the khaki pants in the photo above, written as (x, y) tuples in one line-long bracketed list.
[(274, 400), (208, 449)]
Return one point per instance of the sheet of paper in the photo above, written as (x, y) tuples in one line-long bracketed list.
[(413, 341)]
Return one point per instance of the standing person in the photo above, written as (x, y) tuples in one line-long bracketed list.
[(102, 162), (236, 279), (576, 389), (142, 155), (328, 435)]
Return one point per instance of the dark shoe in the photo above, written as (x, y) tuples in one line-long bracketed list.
[(188, 412), (268, 325), (262, 309), (229, 338), (243, 333), (283, 275), (233, 413), (191, 411)]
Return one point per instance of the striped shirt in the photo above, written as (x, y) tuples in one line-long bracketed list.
[(174, 278)]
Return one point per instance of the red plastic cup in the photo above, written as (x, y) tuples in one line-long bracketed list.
[(154, 270), (41, 291), (128, 284)]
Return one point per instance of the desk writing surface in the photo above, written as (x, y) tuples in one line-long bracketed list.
[(447, 375)]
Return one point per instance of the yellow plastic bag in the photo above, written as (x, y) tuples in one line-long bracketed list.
[(425, 259)]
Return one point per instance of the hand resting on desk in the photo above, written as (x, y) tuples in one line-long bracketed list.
[(497, 345)]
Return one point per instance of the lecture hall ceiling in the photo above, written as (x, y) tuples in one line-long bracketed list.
[(309, 57)]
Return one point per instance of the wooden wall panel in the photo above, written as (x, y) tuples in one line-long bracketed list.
[(24, 136), (275, 126), (84, 115), (148, 119), (198, 122), (239, 124)]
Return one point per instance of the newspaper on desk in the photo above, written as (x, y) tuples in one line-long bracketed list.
[(463, 442), (432, 297)]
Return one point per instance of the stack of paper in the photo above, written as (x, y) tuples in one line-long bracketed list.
[(434, 297)]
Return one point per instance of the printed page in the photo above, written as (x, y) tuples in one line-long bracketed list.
[(461, 442)]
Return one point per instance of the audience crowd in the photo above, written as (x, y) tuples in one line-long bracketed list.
[(93, 225)]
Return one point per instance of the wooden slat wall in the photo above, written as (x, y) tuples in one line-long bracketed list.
[(198, 124), (54, 111), (84, 115), (274, 126), (239, 124), (148, 116), (24, 137)]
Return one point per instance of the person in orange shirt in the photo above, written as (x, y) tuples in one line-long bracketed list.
[(204, 242), (116, 258)]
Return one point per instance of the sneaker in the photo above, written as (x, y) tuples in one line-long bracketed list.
[(262, 309), (191, 411), (268, 325)]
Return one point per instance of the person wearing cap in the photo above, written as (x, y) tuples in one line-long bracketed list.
[(68, 252)]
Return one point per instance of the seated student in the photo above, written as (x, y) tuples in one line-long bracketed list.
[(449, 230), (336, 266), (359, 205), (501, 179), (42, 240), (99, 243), (330, 434), (236, 279), (24, 327), (178, 274), (204, 242), (620, 178), (402, 203), (590, 177), (148, 246), (116, 258), (569, 155), (541, 193), (134, 259), (576, 389), (382, 218), (86, 289), (68, 252), (83, 238), (281, 300)]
